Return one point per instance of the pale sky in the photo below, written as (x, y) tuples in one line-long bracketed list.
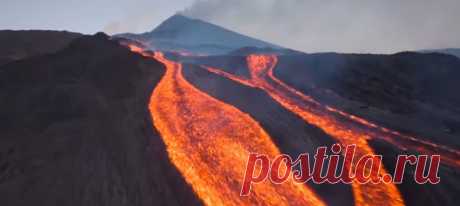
[(376, 26), (88, 16)]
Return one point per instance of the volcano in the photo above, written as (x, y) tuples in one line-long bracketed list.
[(169, 117), (181, 33)]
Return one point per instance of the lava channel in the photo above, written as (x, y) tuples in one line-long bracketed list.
[(209, 142)]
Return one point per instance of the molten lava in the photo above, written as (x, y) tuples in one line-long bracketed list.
[(209, 142)]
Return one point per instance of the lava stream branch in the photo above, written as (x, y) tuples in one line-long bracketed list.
[(210, 141)]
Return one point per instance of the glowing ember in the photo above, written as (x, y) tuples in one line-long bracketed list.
[(210, 141)]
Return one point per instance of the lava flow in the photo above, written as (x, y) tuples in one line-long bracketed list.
[(261, 67), (209, 142)]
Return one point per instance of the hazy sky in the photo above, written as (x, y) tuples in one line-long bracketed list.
[(378, 26)]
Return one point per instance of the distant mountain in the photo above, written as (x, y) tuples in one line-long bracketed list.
[(181, 33), (21, 44), (451, 51)]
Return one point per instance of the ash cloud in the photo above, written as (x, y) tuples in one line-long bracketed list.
[(336, 25)]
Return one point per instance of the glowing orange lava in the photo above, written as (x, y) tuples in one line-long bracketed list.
[(209, 142)]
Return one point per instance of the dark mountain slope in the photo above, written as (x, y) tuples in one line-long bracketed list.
[(21, 44), (451, 51), (75, 130)]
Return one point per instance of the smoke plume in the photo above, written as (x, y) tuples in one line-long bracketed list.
[(337, 25)]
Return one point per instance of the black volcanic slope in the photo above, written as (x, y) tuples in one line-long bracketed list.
[(75, 130), (21, 44)]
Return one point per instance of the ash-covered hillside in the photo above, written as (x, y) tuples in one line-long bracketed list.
[(75, 130)]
